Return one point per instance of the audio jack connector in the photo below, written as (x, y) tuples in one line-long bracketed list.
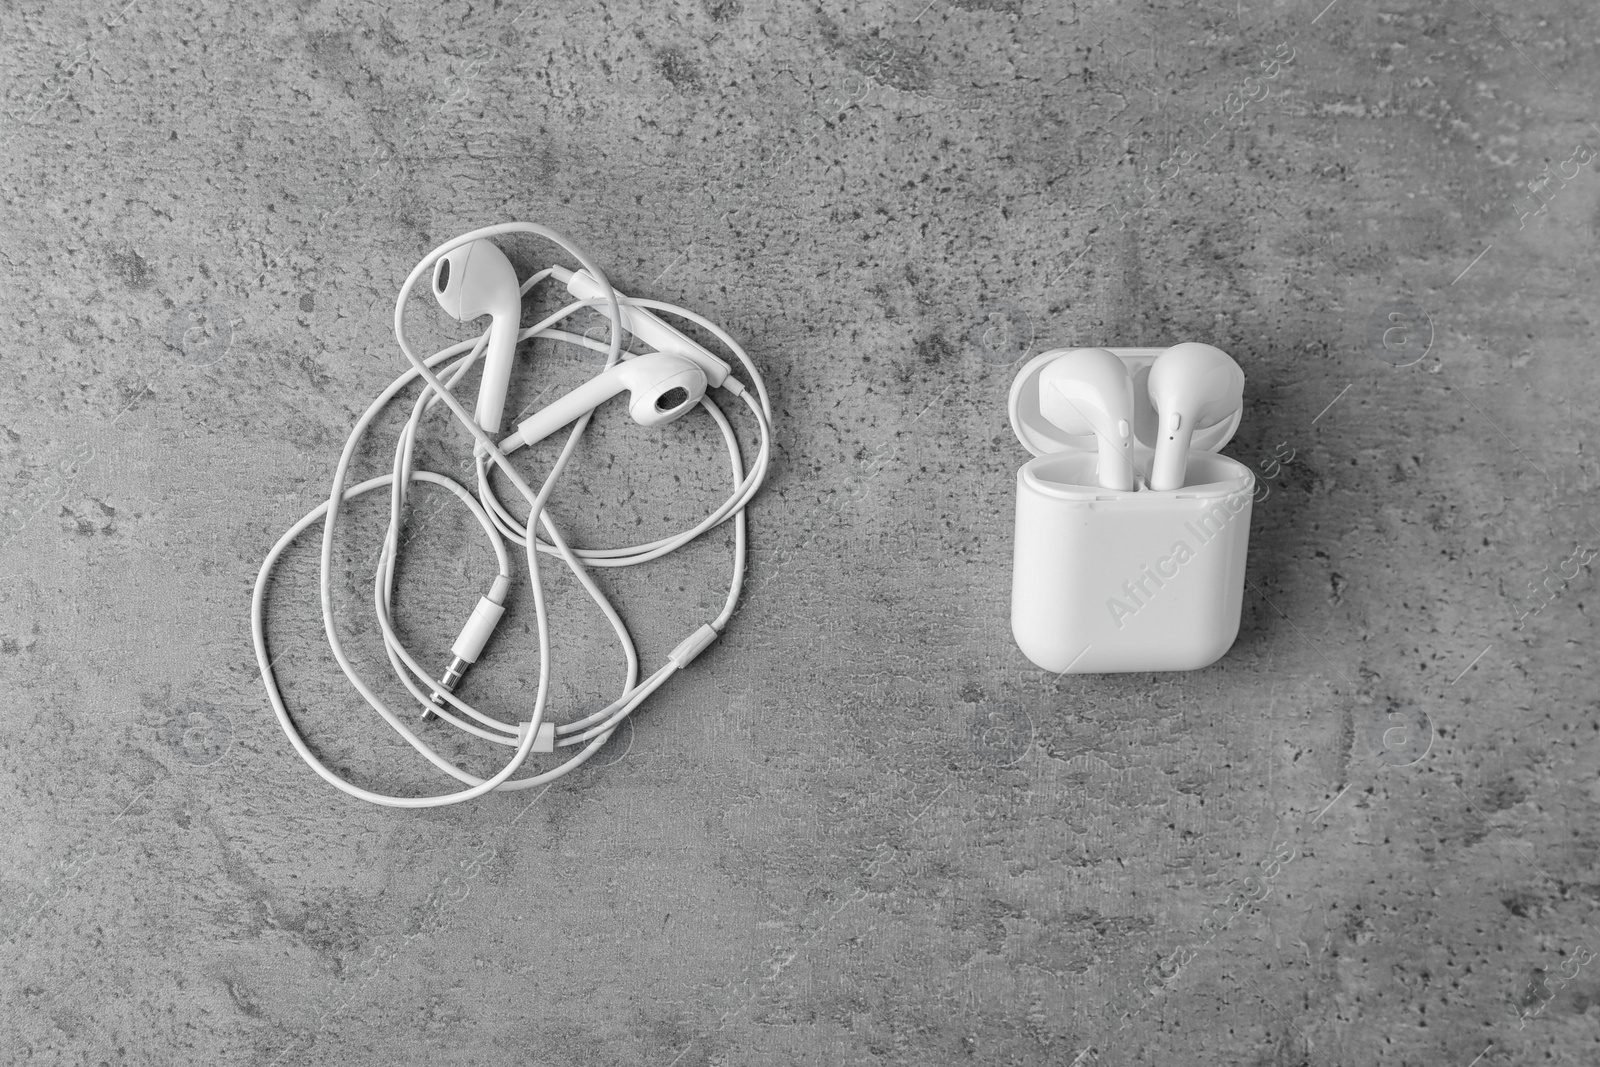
[(469, 646)]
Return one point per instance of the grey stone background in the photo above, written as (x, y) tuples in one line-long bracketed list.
[(862, 829)]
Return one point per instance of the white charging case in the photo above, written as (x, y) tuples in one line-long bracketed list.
[(1105, 580)]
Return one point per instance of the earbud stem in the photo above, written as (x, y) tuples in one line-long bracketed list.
[(1170, 465), (496, 379), (546, 421), (1115, 466), (646, 327)]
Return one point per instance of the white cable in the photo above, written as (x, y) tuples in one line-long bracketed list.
[(440, 374)]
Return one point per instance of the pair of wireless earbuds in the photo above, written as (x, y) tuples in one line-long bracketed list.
[(1089, 391), (472, 278)]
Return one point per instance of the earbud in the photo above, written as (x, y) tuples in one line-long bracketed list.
[(1192, 386), (644, 325), (1088, 390), (476, 280), (662, 386)]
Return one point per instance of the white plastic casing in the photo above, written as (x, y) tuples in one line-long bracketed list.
[(647, 327), (1105, 580), (544, 740), (693, 645), (475, 634)]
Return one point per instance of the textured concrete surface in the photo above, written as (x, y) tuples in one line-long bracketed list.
[(862, 829)]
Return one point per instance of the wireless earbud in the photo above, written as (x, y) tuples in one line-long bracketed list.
[(1192, 386), (1088, 391), (476, 280), (662, 387)]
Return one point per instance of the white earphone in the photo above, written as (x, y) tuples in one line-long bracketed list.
[(1089, 391), (471, 278), (662, 387), (1192, 386), (476, 280)]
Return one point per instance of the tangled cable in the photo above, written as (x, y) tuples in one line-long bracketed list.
[(471, 279)]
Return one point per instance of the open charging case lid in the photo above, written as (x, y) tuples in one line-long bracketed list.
[(1042, 438)]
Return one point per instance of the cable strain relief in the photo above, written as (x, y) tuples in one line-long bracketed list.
[(544, 741), (508, 444), (695, 644), (731, 384), (475, 634), (500, 590)]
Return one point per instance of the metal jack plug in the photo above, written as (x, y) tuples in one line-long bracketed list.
[(469, 646), (447, 682)]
